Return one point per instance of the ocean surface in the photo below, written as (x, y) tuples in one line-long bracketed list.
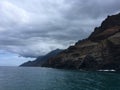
[(36, 78)]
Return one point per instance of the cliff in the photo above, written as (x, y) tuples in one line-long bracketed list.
[(41, 59), (101, 50)]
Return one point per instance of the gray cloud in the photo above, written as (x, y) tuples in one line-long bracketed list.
[(34, 27)]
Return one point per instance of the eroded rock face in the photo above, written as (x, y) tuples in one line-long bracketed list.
[(100, 51)]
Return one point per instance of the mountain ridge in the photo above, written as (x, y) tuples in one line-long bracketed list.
[(41, 59), (100, 50)]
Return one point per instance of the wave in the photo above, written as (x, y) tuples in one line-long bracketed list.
[(107, 70)]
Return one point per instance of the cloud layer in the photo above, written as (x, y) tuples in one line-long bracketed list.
[(31, 28)]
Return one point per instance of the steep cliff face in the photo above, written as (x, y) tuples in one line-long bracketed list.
[(101, 50), (108, 27)]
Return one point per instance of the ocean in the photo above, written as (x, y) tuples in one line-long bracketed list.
[(37, 78)]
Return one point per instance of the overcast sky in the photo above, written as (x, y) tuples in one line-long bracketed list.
[(30, 28)]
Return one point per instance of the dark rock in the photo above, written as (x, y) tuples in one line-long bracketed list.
[(89, 62)]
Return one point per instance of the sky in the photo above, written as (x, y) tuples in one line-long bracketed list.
[(30, 28)]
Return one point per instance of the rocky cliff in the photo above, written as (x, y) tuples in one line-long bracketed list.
[(101, 50), (41, 59)]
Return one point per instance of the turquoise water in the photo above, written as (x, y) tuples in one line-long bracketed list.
[(24, 78)]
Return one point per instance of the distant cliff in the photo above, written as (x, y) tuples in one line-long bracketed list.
[(101, 50), (41, 59)]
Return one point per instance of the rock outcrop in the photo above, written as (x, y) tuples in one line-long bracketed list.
[(101, 50)]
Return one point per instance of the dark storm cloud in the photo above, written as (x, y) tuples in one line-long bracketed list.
[(34, 27)]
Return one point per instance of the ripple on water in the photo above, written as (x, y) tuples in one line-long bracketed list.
[(23, 78)]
